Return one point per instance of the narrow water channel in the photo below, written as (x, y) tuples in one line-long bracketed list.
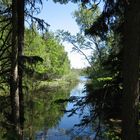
[(65, 128)]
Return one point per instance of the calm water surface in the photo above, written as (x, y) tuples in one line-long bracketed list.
[(65, 129)]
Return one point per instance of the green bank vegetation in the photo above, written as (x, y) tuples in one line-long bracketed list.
[(28, 56)]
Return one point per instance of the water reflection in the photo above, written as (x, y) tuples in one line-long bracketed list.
[(65, 128), (46, 120), (43, 113)]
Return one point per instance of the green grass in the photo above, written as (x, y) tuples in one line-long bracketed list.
[(61, 82)]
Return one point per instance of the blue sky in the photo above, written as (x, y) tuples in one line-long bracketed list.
[(60, 17)]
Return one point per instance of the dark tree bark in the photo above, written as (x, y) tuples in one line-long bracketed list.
[(14, 91), (20, 62), (131, 43)]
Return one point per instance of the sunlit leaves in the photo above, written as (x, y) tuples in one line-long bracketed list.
[(55, 59), (85, 17)]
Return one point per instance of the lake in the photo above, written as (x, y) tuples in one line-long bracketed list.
[(59, 125)]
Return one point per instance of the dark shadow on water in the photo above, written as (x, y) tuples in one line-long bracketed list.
[(59, 114)]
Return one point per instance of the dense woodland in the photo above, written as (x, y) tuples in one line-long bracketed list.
[(110, 29)]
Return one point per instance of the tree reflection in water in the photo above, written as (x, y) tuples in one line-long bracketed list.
[(61, 114)]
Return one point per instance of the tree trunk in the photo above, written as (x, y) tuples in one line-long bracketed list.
[(14, 92), (20, 62), (131, 43)]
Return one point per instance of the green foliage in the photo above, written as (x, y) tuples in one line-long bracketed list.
[(81, 43), (111, 136), (85, 17), (55, 60)]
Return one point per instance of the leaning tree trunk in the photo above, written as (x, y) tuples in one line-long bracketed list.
[(20, 62), (14, 91), (131, 43)]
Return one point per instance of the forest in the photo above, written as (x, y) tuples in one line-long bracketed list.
[(43, 98)]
